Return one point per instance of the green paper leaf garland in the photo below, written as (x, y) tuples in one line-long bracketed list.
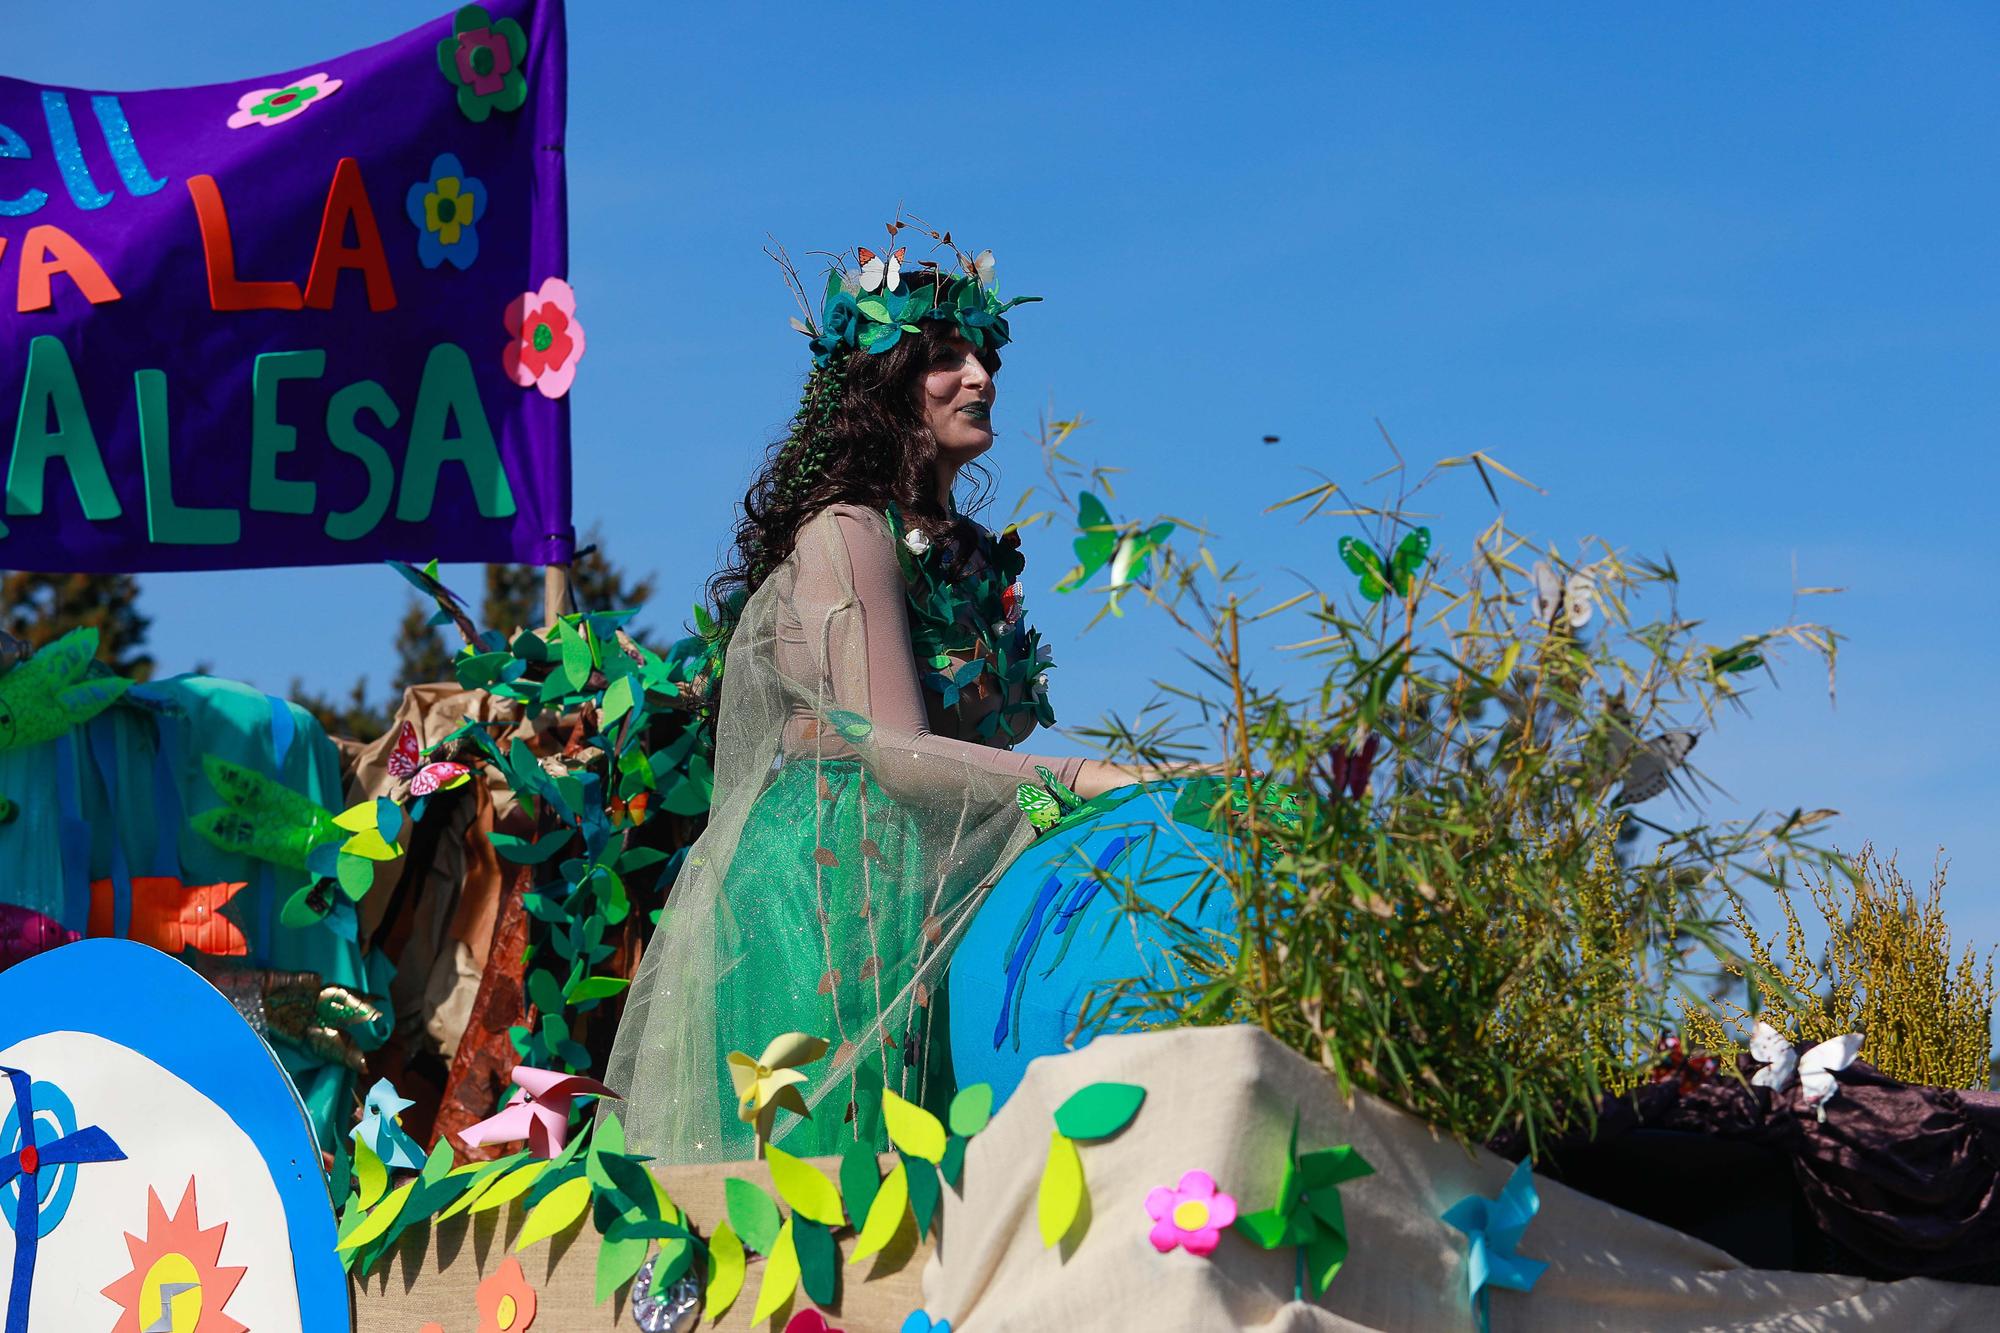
[(1100, 1110), (1060, 1198), (752, 1213)]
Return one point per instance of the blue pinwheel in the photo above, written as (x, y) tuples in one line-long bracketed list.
[(1493, 1228), (24, 1164)]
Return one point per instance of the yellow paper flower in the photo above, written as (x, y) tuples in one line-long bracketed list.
[(769, 1082)]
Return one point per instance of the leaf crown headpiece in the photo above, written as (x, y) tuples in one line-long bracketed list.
[(869, 305)]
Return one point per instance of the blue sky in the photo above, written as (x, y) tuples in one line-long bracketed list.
[(1723, 282)]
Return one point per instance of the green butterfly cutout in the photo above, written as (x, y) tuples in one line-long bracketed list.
[(850, 726), (1102, 544), (44, 696), (1735, 661), (1049, 804), (1379, 574), (1039, 806)]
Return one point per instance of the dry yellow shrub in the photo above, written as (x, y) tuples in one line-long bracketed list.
[(1887, 972)]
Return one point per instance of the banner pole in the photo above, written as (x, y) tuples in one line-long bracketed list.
[(555, 590)]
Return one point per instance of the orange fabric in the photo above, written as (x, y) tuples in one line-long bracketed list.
[(172, 917)]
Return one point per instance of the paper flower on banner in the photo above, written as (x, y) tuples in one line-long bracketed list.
[(483, 58), (920, 1321), (1492, 1229), (447, 208), (538, 1112), (809, 1320), (1307, 1213), (274, 106), (380, 1131), (547, 340), (1190, 1215), (770, 1082), (505, 1301), (48, 694)]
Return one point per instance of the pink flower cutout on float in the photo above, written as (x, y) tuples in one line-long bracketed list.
[(1189, 1216), (547, 339), (274, 106)]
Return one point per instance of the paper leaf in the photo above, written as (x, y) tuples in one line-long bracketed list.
[(953, 1164), (805, 1187), (485, 1176), (781, 1276), (912, 1128), (924, 1193), (379, 1217), (563, 1205), (885, 1214), (860, 1178), (726, 1266), (819, 1260), (618, 1263), (371, 1178), (752, 1213), (509, 1188), (1061, 1196), (971, 1109), (1100, 1110)]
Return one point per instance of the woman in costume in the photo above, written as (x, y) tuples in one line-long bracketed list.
[(875, 681)]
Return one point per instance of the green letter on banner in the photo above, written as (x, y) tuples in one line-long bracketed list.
[(448, 392), (269, 493), (166, 522), (51, 384), (344, 430)]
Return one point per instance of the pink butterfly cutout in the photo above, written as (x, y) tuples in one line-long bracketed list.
[(405, 761)]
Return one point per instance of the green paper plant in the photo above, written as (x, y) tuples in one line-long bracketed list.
[(586, 666)]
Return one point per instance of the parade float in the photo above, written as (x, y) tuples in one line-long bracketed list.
[(304, 1032)]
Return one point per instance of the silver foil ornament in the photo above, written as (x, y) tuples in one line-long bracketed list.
[(677, 1309)]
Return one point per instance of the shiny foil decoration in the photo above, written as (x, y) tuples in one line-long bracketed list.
[(677, 1309)]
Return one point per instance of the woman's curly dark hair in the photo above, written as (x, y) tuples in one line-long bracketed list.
[(858, 437)]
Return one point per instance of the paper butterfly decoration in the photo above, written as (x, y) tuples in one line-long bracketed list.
[(1737, 660), (1382, 574), (1562, 601), (881, 272), (46, 695), (770, 1081), (406, 761), (1492, 1229), (1652, 764), (379, 1130), (1815, 1069), (1047, 804), (537, 1112), (1102, 544)]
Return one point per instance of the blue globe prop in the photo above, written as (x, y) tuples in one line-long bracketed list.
[(1063, 921)]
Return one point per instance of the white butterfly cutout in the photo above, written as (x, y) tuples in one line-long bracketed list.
[(982, 269), (1556, 597), (1815, 1069), (881, 272)]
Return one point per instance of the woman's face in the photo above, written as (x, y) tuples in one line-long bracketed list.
[(957, 399)]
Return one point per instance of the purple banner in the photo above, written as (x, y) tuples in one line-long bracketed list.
[(313, 318)]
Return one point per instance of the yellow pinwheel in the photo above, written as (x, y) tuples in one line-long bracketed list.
[(770, 1081)]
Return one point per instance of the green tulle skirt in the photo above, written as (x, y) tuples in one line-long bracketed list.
[(824, 914)]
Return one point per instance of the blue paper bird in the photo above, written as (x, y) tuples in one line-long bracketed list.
[(379, 1130), (1493, 1228)]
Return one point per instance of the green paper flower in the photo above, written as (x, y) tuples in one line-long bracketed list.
[(483, 58)]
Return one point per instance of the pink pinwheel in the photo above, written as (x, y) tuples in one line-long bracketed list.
[(538, 1112)]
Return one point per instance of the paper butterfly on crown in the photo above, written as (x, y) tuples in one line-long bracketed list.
[(871, 306)]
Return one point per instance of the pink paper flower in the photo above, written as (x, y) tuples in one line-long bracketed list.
[(274, 106), (548, 340), (1191, 1215)]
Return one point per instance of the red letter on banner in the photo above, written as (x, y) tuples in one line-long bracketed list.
[(348, 198), (47, 251), (225, 292)]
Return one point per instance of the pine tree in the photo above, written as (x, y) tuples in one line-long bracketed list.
[(40, 608)]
